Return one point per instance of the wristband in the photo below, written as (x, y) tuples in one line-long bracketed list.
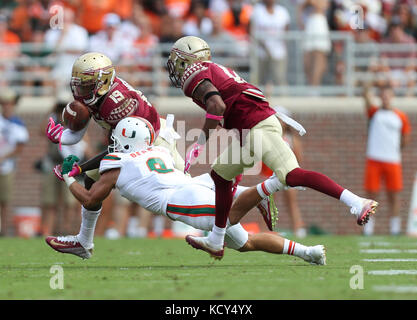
[(213, 117), (68, 180)]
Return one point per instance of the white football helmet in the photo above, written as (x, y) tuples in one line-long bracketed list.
[(132, 134), (186, 51)]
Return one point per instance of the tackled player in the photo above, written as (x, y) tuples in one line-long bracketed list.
[(146, 174)]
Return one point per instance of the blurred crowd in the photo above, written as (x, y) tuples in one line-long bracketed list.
[(129, 31)]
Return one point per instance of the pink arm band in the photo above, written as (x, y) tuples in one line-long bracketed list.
[(213, 117)]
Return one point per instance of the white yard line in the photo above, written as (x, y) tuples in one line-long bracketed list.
[(391, 272), (396, 289), (387, 244), (390, 260), (388, 251)]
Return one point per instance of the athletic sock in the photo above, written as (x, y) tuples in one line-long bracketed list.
[(395, 225), (224, 199), (216, 237), (314, 180), (88, 225), (269, 186), (294, 248), (351, 200)]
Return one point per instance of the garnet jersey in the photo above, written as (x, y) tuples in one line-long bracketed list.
[(147, 177), (246, 105), (120, 102)]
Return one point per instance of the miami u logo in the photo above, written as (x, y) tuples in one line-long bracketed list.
[(124, 133)]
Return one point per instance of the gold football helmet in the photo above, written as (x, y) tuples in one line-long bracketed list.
[(185, 52), (92, 76)]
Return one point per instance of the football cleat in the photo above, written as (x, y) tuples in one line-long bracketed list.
[(368, 209), (269, 212), (316, 255), (69, 244), (202, 243)]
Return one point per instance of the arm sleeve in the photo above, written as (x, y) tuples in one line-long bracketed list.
[(70, 137), (110, 161)]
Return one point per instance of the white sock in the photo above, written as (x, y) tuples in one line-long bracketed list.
[(294, 248), (368, 229), (395, 225), (239, 190), (216, 237), (351, 200), (88, 225), (269, 186)]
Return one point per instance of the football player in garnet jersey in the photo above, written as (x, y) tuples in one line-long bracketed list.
[(146, 175), (109, 100), (241, 106)]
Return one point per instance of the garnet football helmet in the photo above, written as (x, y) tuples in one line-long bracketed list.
[(92, 76)]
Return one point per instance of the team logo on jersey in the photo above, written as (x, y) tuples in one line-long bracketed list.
[(131, 136)]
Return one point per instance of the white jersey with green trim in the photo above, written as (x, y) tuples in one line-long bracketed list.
[(147, 177)]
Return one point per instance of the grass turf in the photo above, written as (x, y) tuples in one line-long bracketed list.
[(170, 269)]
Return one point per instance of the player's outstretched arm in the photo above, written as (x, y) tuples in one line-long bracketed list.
[(90, 199)]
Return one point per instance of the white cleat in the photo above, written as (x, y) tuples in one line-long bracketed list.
[(316, 255), (363, 214), (69, 244), (202, 243)]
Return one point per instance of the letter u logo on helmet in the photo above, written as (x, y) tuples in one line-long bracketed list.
[(133, 134)]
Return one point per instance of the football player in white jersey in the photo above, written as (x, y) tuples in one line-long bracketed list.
[(145, 174)]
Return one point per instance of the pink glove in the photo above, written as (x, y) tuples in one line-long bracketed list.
[(237, 181), (54, 131), (76, 170), (192, 155)]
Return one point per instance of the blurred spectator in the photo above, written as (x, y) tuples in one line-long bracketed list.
[(124, 9), (317, 43), (290, 195), (92, 13), (197, 22), (269, 21), (178, 8), (155, 10), (68, 43), (59, 207), (109, 41), (388, 133), (401, 75), (13, 136), (222, 41), (9, 49), (171, 30), (218, 6), (236, 19)]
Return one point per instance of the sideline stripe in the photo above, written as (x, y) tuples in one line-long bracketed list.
[(391, 272), (387, 244), (396, 289), (388, 251), (391, 260)]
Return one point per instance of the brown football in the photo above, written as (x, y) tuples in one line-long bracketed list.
[(75, 115)]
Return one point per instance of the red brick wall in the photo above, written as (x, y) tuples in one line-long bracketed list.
[(334, 145)]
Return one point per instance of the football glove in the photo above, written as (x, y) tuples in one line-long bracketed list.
[(68, 164), (192, 155), (54, 131)]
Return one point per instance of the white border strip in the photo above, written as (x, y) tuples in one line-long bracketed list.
[(391, 260), (391, 272), (388, 251), (396, 289)]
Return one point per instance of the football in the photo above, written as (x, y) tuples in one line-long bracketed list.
[(75, 115)]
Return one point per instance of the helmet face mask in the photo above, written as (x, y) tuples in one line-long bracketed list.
[(92, 77), (185, 52), (131, 134)]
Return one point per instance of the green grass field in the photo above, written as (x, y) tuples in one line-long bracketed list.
[(170, 269)]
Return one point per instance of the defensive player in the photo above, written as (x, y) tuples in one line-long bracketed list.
[(241, 106), (109, 99), (146, 175)]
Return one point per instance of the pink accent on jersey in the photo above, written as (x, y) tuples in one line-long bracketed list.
[(123, 101), (243, 111)]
